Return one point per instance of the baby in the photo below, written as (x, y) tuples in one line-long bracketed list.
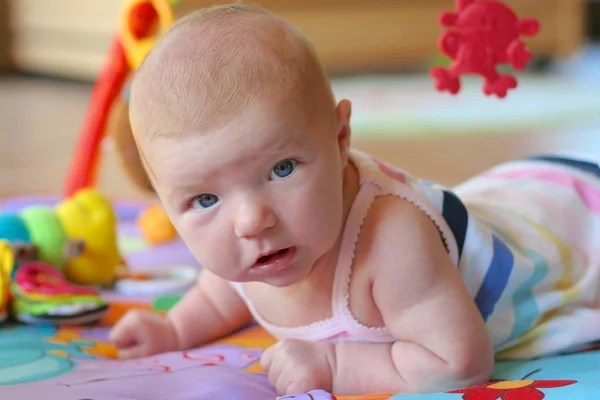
[(372, 280)]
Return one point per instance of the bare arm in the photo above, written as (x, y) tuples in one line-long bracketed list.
[(210, 310), (442, 342)]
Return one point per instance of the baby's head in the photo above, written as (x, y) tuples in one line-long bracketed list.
[(239, 131)]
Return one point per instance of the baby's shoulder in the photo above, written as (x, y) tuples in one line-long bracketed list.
[(392, 230)]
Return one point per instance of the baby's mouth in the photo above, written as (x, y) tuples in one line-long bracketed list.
[(271, 257)]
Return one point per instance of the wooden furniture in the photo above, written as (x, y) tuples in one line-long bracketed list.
[(4, 35), (69, 37)]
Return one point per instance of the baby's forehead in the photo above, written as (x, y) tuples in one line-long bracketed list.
[(202, 72)]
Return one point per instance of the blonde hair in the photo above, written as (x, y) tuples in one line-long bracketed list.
[(218, 60)]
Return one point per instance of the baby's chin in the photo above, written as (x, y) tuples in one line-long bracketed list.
[(296, 276), (280, 281)]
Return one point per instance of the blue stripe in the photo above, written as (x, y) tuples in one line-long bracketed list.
[(525, 305), (456, 216), (496, 278), (585, 166), (524, 302)]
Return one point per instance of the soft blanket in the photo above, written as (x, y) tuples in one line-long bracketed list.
[(43, 362)]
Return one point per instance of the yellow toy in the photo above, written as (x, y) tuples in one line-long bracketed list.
[(88, 217), (6, 266)]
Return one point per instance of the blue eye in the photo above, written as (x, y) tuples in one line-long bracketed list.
[(204, 201), (283, 169)]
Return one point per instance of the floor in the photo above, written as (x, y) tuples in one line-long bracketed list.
[(40, 120)]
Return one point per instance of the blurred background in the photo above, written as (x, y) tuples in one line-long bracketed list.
[(378, 53)]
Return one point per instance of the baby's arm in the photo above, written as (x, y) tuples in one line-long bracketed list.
[(442, 341), (210, 310)]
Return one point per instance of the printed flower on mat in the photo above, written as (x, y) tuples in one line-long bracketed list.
[(511, 390)]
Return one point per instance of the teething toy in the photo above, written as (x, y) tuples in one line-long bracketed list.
[(483, 34)]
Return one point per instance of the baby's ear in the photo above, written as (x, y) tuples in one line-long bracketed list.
[(344, 112)]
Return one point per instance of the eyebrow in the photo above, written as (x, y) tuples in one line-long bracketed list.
[(185, 189), (280, 144)]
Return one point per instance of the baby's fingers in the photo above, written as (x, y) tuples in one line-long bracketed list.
[(132, 352), (266, 360), (127, 331)]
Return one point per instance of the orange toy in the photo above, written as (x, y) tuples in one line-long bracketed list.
[(155, 226)]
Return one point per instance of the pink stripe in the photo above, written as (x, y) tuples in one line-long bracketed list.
[(390, 171), (588, 195)]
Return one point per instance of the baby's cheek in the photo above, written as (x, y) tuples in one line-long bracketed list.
[(319, 214), (213, 251)]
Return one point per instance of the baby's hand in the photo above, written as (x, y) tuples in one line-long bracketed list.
[(296, 366), (142, 333)]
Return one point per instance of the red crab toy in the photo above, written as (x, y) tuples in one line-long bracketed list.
[(485, 33)]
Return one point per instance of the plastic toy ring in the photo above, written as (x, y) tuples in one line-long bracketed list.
[(168, 280), (136, 48)]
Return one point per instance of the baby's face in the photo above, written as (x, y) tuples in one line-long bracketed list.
[(257, 199)]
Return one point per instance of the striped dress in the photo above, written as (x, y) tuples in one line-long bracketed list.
[(528, 233), (527, 237)]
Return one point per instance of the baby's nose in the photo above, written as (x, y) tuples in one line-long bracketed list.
[(253, 218)]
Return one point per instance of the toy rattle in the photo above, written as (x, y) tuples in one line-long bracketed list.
[(483, 34)]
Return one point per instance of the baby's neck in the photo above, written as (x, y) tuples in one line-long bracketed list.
[(351, 187)]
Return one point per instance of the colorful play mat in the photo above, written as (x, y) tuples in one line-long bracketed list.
[(404, 106), (42, 362)]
